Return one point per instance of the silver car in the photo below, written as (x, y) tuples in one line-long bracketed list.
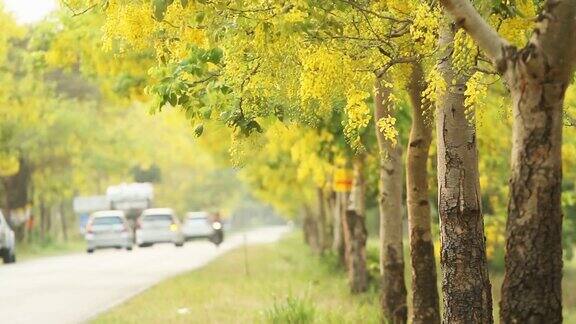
[(108, 229), (158, 225), (7, 241), (197, 225)]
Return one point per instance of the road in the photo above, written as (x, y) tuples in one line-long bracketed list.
[(76, 287)]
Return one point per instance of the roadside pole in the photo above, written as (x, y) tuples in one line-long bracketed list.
[(245, 239)]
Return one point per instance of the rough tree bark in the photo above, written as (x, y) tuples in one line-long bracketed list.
[(63, 221), (354, 228), (49, 220), (330, 201), (393, 294), (43, 220), (537, 76), (15, 188), (322, 221), (465, 282), (424, 290), (339, 212), (310, 229)]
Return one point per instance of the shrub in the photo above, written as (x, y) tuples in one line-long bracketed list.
[(291, 310)]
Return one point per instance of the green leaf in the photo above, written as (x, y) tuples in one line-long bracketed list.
[(173, 99), (183, 99), (200, 17), (253, 126), (225, 89), (184, 3), (207, 113), (214, 55), (160, 7), (198, 130)]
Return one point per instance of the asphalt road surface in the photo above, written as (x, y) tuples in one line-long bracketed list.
[(76, 287)]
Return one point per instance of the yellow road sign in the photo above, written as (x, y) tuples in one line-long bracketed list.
[(342, 180)]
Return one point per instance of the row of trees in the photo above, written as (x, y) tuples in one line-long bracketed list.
[(310, 85), (64, 134)]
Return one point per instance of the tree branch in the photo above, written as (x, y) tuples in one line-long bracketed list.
[(487, 38), (400, 60), (75, 13), (361, 8), (555, 36)]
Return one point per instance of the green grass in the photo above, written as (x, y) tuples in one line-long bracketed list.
[(568, 289), (291, 310), (50, 247), (285, 284)]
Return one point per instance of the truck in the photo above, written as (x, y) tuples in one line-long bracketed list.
[(84, 206), (131, 198)]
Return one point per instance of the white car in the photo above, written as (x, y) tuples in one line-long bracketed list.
[(197, 225), (158, 225), (108, 229), (7, 241)]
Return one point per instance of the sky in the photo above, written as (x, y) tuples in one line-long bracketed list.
[(30, 11)]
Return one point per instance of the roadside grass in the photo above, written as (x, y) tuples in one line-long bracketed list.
[(50, 247), (283, 283), (569, 291)]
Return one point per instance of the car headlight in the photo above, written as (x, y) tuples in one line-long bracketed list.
[(173, 227), (217, 225)]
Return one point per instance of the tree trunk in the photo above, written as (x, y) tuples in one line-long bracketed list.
[(330, 206), (531, 291), (16, 192), (465, 282), (49, 215), (354, 227), (330, 203), (63, 221), (30, 228), (339, 212), (310, 229), (322, 223), (393, 293), (537, 79), (43, 220), (537, 76), (425, 302)]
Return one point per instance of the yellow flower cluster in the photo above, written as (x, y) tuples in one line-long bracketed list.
[(9, 30), (9, 164), (435, 89), (465, 51), (325, 75), (311, 165), (386, 126), (357, 115), (402, 7), (424, 29), (242, 148), (475, 94), (517, 29), (131, 25)]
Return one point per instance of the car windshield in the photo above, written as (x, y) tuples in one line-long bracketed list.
[(108, 220), (196, 215), (158, 218), (197, 220)]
